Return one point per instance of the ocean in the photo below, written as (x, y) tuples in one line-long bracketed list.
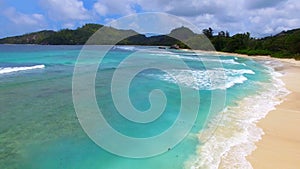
[(41, 128)]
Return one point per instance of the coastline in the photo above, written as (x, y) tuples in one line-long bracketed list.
[(245, 117), (279, 145)]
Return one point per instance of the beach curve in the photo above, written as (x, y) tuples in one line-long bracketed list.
[(280, 145)]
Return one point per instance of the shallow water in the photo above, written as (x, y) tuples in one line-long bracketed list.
[(39, 127)]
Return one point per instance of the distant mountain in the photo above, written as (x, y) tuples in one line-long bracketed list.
[(182, 33), (31, 38), (151, 34), (284, 44), (70, 37), (108, 35), (79, 36)]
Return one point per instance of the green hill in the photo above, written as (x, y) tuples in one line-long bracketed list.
[(108, 35), (78, 36), (284, 44), (71, 37), (31, 38)]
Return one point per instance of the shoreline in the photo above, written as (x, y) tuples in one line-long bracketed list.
[(279, 146)]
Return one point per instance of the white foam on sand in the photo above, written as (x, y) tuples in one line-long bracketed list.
[(17, 69), (231, 135)]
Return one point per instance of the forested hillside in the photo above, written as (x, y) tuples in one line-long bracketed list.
[(285, 44)]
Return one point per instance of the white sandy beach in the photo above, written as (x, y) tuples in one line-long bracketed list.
[(280, 146)]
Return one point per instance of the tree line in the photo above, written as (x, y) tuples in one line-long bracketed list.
[(283, 45)]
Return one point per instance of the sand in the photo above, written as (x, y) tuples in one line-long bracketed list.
[(280, 146)]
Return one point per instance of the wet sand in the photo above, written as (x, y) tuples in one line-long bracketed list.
[(279, 148)]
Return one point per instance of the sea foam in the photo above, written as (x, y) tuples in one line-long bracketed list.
[(231, 135), (16, 69), (198, 57), (206, 79), (126, 48)]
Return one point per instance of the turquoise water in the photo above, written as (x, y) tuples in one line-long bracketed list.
[(39, 127)]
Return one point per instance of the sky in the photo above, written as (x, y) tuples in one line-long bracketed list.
[(259, 17)]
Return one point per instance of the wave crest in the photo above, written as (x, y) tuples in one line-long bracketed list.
[(17, 69), (206, 79), (236, 134)]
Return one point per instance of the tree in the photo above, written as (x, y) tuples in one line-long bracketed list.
[(221, 34), (208, 32), (227, 34)]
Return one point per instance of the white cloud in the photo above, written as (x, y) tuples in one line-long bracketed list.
[(195, 7), (184, 8), (114, 7), (100, 9), (63, 10), (19, 23), (154, 22), (272, 20), (258, 4), (156, 5), (68, 25), (24, 19), (261, 18)]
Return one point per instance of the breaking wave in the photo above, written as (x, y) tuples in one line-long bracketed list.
[(206, 79), (17, 69)]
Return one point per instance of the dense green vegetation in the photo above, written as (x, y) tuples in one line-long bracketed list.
[(285, 44), (32, 38), (72, 37)]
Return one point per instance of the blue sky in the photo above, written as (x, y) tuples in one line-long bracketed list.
[(259, 17)]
